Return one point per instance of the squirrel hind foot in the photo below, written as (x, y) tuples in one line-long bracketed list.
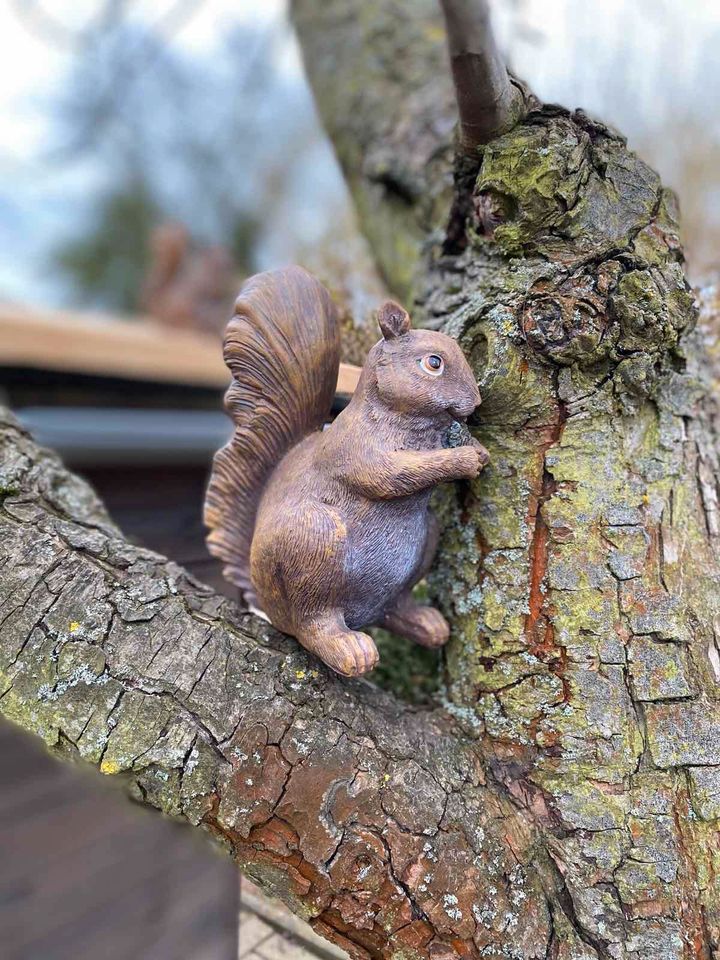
[(348, 652), (425, 626)]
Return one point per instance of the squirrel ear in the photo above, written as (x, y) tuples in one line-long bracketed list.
[(393, 320)]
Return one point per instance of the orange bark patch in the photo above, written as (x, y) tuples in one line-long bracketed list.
[(539, 631)]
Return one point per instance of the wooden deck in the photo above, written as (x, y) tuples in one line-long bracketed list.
[(85, 875)]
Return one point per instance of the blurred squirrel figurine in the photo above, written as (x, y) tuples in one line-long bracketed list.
[(327, 531), (187, 286)]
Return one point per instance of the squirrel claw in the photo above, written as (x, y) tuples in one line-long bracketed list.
[(483, 455), (361, 655)]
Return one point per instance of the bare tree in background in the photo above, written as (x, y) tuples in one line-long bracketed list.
[(166, 135), (564, 804)]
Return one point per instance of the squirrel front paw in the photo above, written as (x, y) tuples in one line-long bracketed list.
[(471, 460)]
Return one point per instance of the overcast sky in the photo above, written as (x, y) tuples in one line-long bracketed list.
[(36, 49), (647, 66)]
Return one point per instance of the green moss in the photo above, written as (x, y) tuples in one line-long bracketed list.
[(531, 174), (409, 671), (555, 178)]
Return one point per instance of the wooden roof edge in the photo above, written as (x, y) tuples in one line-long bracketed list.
[(115, 346)]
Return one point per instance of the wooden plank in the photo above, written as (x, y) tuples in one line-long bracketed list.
[(110, 346), (348, 377)]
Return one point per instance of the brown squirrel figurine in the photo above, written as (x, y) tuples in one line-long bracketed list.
[(328, 530)]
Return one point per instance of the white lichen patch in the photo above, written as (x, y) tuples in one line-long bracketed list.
[(449, 902), (82, 674), (192, 760)]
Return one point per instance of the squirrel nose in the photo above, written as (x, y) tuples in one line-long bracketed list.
[(464, 408)]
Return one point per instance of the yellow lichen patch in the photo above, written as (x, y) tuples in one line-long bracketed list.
[(74, 626), (433, 33), (300, 674), (494, 610), (110, 767)]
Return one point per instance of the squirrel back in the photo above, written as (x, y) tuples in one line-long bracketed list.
[(282, 346)]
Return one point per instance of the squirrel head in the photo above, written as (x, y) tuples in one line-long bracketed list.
[(421, 372)]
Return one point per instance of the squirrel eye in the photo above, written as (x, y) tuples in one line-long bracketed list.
[(432, 364)]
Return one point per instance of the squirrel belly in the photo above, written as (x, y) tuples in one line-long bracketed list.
[(386, 546), (317, 547)]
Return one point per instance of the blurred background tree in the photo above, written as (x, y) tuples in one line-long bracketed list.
[(108, 259), (178, 138), (144, 128)]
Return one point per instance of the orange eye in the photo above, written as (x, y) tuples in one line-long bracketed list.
[(432, 364)]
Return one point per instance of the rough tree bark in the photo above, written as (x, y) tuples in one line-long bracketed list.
[(580, 572), (566, 802)]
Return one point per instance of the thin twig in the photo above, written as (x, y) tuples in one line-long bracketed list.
[(488, 103)]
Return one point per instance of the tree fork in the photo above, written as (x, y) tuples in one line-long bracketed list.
[(374, 821)]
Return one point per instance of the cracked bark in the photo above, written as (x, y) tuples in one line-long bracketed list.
[(565, 803), (373, 820)]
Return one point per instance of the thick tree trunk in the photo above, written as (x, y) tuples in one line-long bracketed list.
[(566, 804), (580, 572)]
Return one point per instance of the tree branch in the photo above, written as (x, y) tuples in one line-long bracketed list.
[(381, 79), (487, 101), (390, 113), (372, 820)]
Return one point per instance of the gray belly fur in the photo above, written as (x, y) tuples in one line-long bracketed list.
[(384, 560)]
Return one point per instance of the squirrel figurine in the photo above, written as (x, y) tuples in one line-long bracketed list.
[(327, 530)]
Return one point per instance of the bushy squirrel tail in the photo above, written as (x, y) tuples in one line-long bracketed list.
[(283, 349)]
